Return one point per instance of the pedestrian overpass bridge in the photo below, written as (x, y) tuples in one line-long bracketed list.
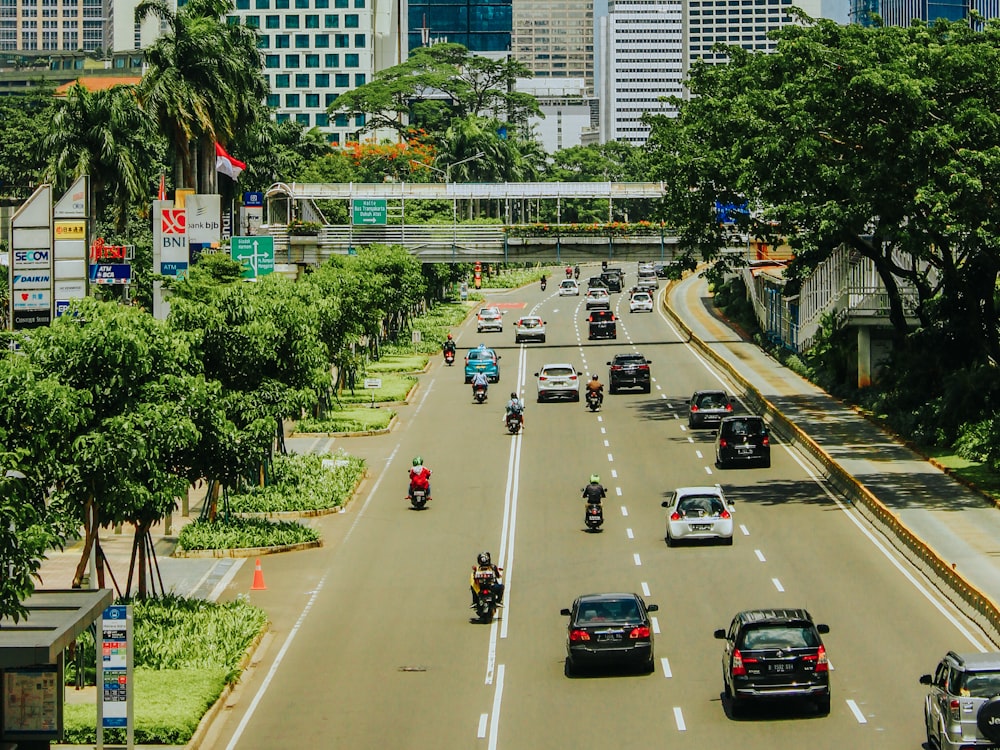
[(460, 241)]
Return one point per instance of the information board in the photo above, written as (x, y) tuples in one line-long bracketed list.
[(368, 211), (114, 671), (254, 254)]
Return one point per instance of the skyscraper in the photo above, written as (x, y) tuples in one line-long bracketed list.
[(481, 26), (902, 12), (555, 38)]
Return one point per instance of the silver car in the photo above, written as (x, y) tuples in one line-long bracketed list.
[(569, 288), (489, 319), (962, 707), (558, 381), (529, 328), (698, 513)]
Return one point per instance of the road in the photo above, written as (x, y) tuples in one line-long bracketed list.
[(379, 651)]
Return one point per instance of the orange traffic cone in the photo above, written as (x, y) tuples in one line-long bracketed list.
[(258, 578)]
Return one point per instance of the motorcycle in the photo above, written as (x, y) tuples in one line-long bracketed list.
[(479, 393), (543, 285), (449, 357), (569, 272), (593, 400), (576, 273), (486, 598), (594, 517), (418, 498), (513, 423)]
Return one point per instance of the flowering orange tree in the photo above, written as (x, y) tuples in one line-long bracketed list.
[(391, 162)]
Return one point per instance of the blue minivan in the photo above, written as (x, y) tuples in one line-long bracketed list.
[(482, 359)]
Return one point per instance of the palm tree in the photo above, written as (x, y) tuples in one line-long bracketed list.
[(104, 134), (203, 85)]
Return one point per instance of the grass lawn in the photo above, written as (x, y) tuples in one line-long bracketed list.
[(975, 473), (395, 386), (397, 363), (352, 419)]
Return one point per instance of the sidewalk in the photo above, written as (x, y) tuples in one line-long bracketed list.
[(950, 531)]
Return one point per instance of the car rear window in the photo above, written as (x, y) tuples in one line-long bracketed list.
[(713, 401), (643, 297), (779, 636), (476, 355), (609, 611), (558, 371), (568, 284), (701, 505), (745, 427), (630, 359), (602, 315), (530, 323), (978, 684)]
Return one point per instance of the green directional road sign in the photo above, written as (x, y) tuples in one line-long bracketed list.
[(254, 254), (368, 211)]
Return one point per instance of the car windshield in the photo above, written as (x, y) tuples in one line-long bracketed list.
[(615, 610), (713, 401), (745, 427), (779, 636), (557, 372), (700, 505), (978, 684)]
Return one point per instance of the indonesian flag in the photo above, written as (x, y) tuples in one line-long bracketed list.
[(226, 164)]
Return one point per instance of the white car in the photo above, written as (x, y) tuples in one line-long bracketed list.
[(529, 328), (569, 288), (598, 298), (698, 513), (558, 381), (490, 319), (641, 302)]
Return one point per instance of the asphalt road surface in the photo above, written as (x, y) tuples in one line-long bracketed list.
[(374, 648)]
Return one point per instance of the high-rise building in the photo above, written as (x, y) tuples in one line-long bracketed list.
[(481, 26), (52, 25), (902, 13), (555, 38), (315, 50), (641, 62)]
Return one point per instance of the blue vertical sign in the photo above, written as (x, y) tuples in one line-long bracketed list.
[(114, 672)]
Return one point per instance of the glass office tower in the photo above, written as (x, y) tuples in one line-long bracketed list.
[(482, 26)]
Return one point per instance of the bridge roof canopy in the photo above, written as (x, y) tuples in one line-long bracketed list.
[(465, 190)]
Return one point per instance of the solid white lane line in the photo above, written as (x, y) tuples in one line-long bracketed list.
[(481, 732), (665, 666), (656, 625), (679, 718), (777, 584), (760, 555), (624, 511), (645, 589), (698, 454), (745, 530), (497, 697), (427, 392), (637, 559), (629, 534), (856, 711)]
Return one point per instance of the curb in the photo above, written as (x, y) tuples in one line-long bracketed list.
[(360, 433), (975, 604), (245, 551)]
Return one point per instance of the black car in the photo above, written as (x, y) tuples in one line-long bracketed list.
[(596, 281), (775, 654), (613, 279), (742, 439), (708, 408), (609, 629), (629, 371), (602, 325)]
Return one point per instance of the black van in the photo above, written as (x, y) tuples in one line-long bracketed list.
[(742, 439), (613, 278)]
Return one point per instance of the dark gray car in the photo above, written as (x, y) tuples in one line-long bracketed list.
[(708, 408)]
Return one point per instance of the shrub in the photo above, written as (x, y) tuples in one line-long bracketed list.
[(243, 533), (301, 482)]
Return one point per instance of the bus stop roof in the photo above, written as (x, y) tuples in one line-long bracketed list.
[(55, 618)]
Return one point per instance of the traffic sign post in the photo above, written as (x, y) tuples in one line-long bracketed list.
[(373, 384), (254, 254), (368, 211)]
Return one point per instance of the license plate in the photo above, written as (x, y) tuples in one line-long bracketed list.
[(744, 451), (701, 526), (781, 667), (608, 637)]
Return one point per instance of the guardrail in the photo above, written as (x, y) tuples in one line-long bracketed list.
[(975, 604)]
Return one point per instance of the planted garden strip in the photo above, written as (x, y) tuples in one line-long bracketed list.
[(246, 551)]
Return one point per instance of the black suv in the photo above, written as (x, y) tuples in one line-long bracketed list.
[(629, 371), (962, 707), (602, 325), (773, 654), (613, 279), (742, 439)]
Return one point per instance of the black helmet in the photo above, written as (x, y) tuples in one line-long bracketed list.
[(484, 558), (513, 394)]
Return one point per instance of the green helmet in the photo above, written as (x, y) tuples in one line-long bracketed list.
[(418, 461), (594, 479)]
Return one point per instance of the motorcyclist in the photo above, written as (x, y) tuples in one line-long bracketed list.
[(420, 476), (596, 386), (484, 565), (480, 379), (543, 282), (449, 344), (569, 272), (514, 406), (594, 492), (576, 272)]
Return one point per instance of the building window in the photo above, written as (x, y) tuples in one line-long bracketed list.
[(321, 41), (301, 80), (291, 100), (359, 41), (322, 120), (291, 21), (322, 3), (274, 101), (282, 41), (340, 120), (332, 61), (342, 41), (312, 100), (312, 22), (351, 21), (272, 61), (262, 4), (334, 139), (242, 4), (359, 3), (253, 22), (263, 42), (352, 61), (301, 4), (291, 61), (312, 61), (302, 119), (281, 4), (272, 22), (359, 79), (281, 81), (340, 4), (342, 80), (322, 80), (329, 99), (301, 41), (359, 120), (331, 21), (281, 117)]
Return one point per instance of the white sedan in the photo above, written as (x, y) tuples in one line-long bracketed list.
[(558, 381), (640, 302), (569, 288), (698, 513), (598, 298)]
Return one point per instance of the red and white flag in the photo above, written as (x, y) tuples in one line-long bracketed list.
[(226, 164)]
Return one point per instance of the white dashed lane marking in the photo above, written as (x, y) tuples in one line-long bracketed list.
[(629, 534), (625, 511), (638, 560), (760, 555), (645, 589), (679, 718), (777, 584), (857, 712)]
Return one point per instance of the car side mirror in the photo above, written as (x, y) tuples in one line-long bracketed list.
[(607, 363), (499, 356), (665, 504), (822, 629), (545, 322), (565, 612), (720, 634), (652, 607), (926, 679), (536, 374), (649, 361)]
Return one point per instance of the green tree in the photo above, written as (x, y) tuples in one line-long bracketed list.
[(24, 120)]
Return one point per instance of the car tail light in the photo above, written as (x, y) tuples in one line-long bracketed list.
[(579, 635), (694, 407), (955, 708), (738, 669), (729, 407), (572, 377), (675, 516), (543, 377), (723, 443), (724, 514), (643, 367), (615, 367), (822, 665), (640, 632), (765, 441)]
